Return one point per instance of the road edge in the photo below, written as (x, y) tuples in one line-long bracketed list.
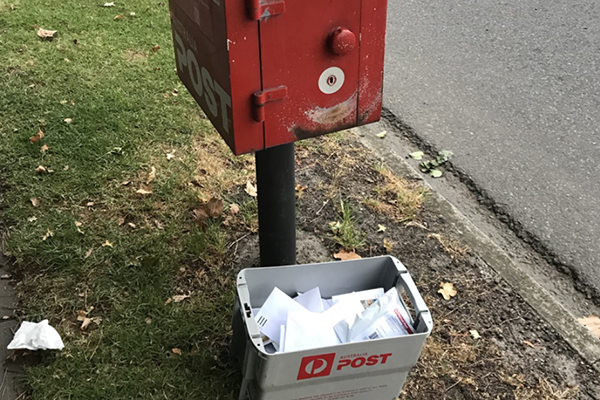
[(565, 324)]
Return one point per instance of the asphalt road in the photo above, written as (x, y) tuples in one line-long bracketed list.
[(513, 89)]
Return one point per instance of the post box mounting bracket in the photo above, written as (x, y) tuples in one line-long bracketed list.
[(262, 97), (262, 9)]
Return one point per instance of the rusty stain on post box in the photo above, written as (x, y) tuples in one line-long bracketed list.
[(328, 55)]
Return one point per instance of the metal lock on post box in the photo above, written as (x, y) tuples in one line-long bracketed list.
[(271, 72)]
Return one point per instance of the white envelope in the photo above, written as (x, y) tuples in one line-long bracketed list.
[(281, 338), (311, 300), (327, 303), (367, 297), (274, 313), (307, 330)]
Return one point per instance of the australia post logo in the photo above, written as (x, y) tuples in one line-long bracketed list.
[(215, 99), (323, 364)]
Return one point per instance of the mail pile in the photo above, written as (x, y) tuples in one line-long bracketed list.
[(308, 321)]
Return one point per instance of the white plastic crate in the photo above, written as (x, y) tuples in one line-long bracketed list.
[(371, 370)]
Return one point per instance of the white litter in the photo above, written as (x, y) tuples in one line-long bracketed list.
[(36, 336), (308, 321)]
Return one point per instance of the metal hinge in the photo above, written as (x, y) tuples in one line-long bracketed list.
[(262, 97), (261, 9)]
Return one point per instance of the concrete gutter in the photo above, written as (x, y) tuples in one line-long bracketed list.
[(566, 325)]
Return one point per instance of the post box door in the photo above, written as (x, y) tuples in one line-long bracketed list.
[(312, 49)]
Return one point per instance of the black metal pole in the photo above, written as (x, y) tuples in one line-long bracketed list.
[(276, 205)]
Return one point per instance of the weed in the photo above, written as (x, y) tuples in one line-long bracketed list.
[(345, 232)]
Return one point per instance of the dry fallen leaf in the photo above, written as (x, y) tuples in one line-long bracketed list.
[(148, 320), (180, 297), (107, 244), (151, 175), (234, 209), (41, 170), (81, 315), (120, 221), (143, 191), (5, 276), (346, 255), (251, 189), (475, 334), (44, 148), (46, 34), (119, 16), (79, 225), (381, 228), (72, 102), (126, 183), (528, 343), (169, 300), (63, 102), (388, 244), (86, 322), (68, 120), (592, 323), (200, 215), (300, 188), (88, 253), (48, 234), (176, 351), (37, 137), (447, 290), (156, 48), (35, 201), (214, 207)]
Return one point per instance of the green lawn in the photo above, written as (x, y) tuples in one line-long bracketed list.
[(94, 243)]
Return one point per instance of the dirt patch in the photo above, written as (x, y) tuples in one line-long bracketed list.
[(487, 342), (517, 356)]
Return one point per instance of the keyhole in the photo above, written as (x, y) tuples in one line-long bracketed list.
[(331, 80)]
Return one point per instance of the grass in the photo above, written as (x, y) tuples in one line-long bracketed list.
[(397, 198), (129, 113), (346, 232)]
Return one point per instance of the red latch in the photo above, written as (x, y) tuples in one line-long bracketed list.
[(262, 97), (263, 9)]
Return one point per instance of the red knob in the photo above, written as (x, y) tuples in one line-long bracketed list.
[(342, 41)]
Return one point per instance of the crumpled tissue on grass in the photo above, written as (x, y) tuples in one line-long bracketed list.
[(36, 336)]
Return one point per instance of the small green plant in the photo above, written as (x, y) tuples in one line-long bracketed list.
[(431, 167), (345, 232)]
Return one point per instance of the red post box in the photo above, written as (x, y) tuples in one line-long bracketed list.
[(270, 72)]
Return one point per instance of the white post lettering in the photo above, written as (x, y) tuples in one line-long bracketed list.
[(225, 102), (180, 53), (209, 92), (194, 70)]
